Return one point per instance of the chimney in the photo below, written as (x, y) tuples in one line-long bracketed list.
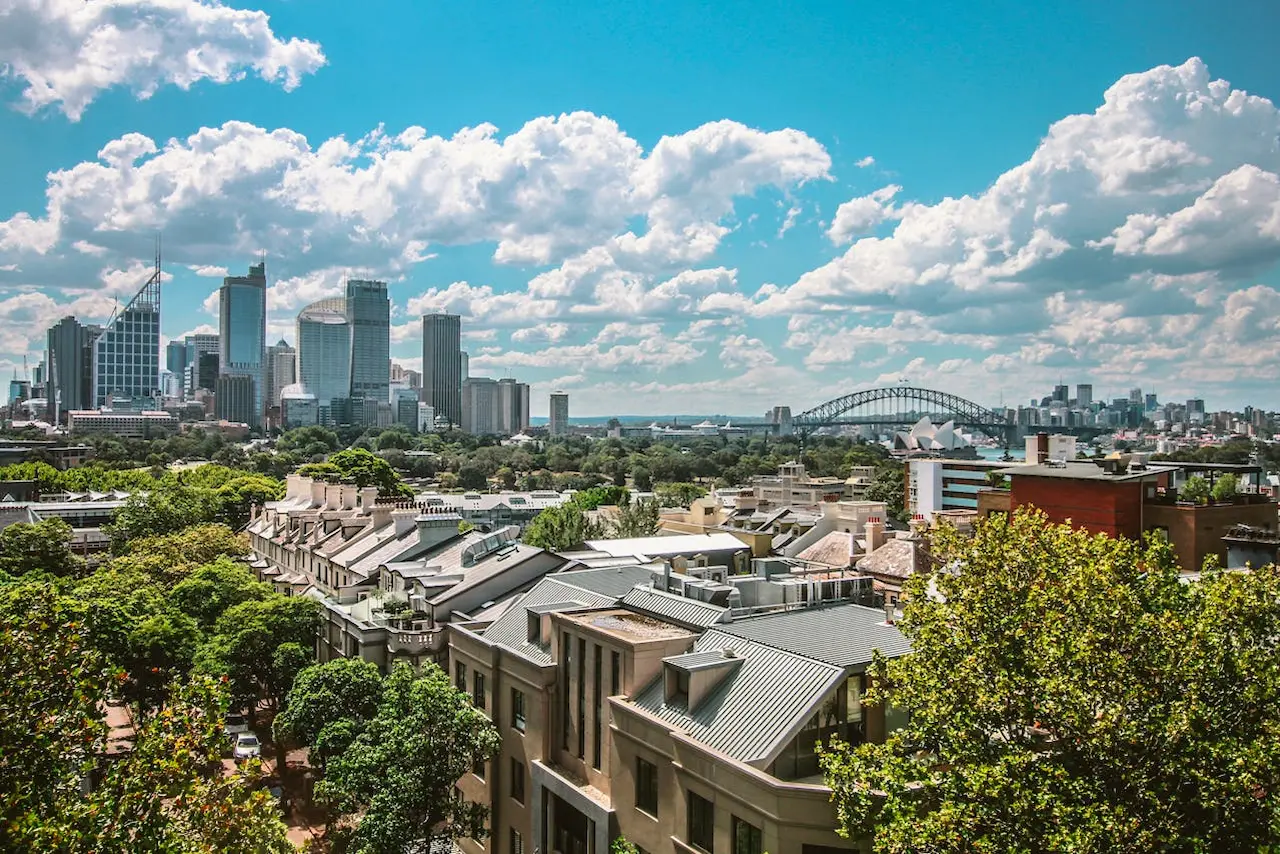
[(381, 515), (368, 497), (889, 612), (317, 493), (349, 494), (295, 486), (332, 496), (874, 533), (405, 519), (1042, 448), (918, 540), (666, 576)]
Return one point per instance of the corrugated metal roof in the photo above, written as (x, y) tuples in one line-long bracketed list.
[(689, 613), (679, 544), (700, 660), (612, 581), (843, 635), (754, 710)]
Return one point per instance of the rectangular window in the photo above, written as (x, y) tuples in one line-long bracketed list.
[(517, 781), (702, 823), (615, 674), (597, 687), (517, 843), (582, 698), (747, 838), (460, 676), (647, 787), (478, 768), (567, 654), (517, 710), (477, 695)]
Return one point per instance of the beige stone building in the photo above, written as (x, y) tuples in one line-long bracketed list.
[(629, 704)]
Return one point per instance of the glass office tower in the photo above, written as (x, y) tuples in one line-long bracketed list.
[(126, 356), (324, 356), (242, 336), (369, 325)]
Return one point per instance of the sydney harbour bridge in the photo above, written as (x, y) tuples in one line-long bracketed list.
[(895, 407)]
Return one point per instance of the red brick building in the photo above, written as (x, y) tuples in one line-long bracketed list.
[(1123, 501)]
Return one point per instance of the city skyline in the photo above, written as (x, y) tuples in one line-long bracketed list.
[(780, 233)]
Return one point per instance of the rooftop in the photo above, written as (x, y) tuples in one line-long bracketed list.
[(1084, 470), (680, 544), (629, 626), (840, 635)]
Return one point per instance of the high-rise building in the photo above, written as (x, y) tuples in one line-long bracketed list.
[(405, 377), (442, 365), (69, 358), (559, 414), (175, 357), (369, 325), (236, 398), (1084, 395), (282, 370), (126, 356), (405, 404), (481, 406), (1152, 403), (324, 357), (466, 366), (513, 403), (1135, 396), (1060, 393), (242, 330), (202, 373)]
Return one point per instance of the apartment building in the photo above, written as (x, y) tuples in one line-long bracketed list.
[(632, 701), (945, 484)]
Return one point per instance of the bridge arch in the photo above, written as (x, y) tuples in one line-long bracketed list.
[(906, 401)]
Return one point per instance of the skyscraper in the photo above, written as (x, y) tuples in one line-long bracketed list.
[(559, 414), (282, 370), (236, 398), (481, 406), (194, 376), (1135, 396), (175, 357), (442, 365), (513, 404), (324, 357), (242, 332), (69, 358), (126, 356), (1060, 393), (1084, 395), (369, 325)]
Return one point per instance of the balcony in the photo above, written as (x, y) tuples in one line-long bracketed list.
[(411, 642)]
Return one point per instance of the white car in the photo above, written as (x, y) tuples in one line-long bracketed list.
[(247, 746), (234, 725)]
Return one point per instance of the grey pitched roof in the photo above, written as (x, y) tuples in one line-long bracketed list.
[(512, 628), (681, 610), (842, 635), (612, 581), (701, 660), (754, 710), (892, 558)]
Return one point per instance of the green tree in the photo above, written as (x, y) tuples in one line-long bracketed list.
[(364, 468), (168, 558), (1225, 487), (889, 486), (238, 498), (642, 479), (472, 476), (213, 588), (424, 737), (1195, 490), (1067, 692), (43, 546), (562, 528), (637, 518), (678, 494), (246, 638), (345, 691), (159, 511)]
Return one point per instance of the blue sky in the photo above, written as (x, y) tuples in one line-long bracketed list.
[(661, 207)]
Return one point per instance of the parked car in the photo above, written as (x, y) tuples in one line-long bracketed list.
[(247, 746), (234, 725)]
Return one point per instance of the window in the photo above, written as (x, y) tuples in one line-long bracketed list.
[(460, 676), (517, 843), (702, 823), (582, 698), (597, 687), (478, 768), (615, 674), (746, 837), (477, 695), (517, 781), (647, 787), (517, 710)]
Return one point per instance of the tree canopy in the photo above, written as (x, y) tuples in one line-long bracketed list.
[(43, 546), (423, 738), (1069, 692)]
